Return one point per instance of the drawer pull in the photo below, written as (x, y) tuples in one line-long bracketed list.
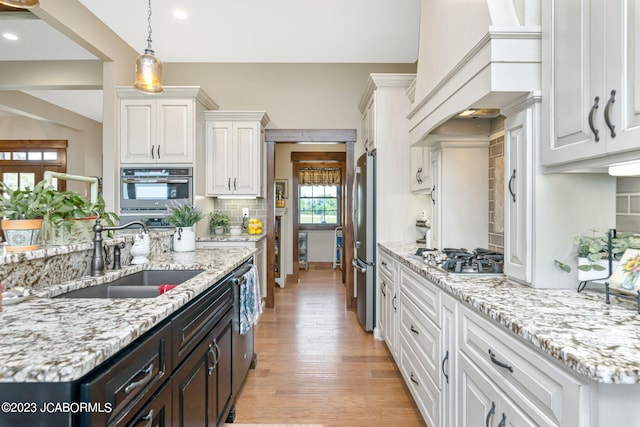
[(148, 373), (384, 289), (503, 421), (446, 357), (383, 263), (148, 418), (490, 414), (413, 379), (414, 330), (211, 352), (499, 363), (393, 303)]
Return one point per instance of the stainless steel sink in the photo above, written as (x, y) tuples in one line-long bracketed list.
[(143, 284)]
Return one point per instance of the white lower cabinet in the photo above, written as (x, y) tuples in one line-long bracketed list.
[(464, 370), (389, 307)]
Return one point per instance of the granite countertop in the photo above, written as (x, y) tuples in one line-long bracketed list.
[(60, 340), (244, 237), (598, 340)]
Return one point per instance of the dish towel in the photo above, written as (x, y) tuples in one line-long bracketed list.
[(250, 300)]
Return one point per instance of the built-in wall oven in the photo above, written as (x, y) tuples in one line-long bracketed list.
[(146, 193)]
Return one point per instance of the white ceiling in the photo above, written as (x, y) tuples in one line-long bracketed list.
[(285, 31)]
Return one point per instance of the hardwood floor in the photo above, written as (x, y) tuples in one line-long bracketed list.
[(316, 365)]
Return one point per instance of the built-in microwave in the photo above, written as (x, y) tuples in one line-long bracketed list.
[(150, 190)]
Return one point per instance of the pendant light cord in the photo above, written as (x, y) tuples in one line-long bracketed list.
[(149, 28)]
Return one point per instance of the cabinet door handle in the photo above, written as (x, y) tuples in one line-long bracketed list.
[(419, 176), (414, 330), (215, 344), (148, 418), (229, 184), (499, 363), (383, 263), (433, 199), (513, 194), (393, 302), (446, 357), (234, 184), (158, 150), (503, 421), (383, 289), (591, 113), (490, 414), (607, 119), (413, 379), (212, 353), (152, 155), (147, 372)]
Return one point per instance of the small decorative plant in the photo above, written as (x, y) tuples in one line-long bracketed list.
[(596, 247), (184, 215), (29, 203), (217, 220)]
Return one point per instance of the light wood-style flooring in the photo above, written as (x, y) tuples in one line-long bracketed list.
[(316, 365)]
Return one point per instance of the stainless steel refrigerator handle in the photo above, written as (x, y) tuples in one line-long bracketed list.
[(357, 265), (355, 208)]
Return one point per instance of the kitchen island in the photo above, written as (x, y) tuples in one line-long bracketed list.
[(585, 353), (62, 341)]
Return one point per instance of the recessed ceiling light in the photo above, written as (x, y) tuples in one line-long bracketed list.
[(180, 14), (10, 36)]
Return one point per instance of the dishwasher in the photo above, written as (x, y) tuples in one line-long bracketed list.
[(242, 344)]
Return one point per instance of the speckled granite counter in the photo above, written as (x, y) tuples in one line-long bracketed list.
[(229, 238), (599, 341), (57, 340)]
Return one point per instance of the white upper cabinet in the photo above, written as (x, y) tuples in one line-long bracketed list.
[(234, 154), (591, 97), (162, 128), (420, 170)]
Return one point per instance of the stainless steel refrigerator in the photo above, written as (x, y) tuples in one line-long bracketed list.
[(364, 230)]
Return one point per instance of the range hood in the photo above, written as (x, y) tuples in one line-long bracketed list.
[(489, 65)]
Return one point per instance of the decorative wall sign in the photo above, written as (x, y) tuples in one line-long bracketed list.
[(626, 278)]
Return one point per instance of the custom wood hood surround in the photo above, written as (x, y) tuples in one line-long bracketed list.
[(499, 65)]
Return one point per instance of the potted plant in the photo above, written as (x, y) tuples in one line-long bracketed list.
[(593, 254), (23, 212), (218, 223), (184, 217), (71, 218)]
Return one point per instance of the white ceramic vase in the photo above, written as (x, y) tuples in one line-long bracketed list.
[(592, 274), (140, 249), (184, 239)]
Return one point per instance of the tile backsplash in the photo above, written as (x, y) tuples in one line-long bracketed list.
[(628, 204), (496, 194), (233, 208)]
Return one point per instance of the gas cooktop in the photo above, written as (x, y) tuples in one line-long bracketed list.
[(477, 261)]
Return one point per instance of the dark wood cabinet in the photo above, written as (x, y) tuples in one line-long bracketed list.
[(156, 413), (202, 384)]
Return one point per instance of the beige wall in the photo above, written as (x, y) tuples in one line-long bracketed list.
[(296, 96), (84, 135)]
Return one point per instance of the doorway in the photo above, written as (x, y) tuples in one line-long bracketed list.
[(347, 137)]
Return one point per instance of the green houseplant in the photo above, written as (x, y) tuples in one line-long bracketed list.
[(23, 211), (593, 252), (218, 223), (184, 217)]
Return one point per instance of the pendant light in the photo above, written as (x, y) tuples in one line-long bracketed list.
[(148, 67), (21, 4)]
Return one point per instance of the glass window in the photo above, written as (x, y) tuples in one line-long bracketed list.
[(19, 155), (48, 155), (34, 155), (5, 155), (318, 204)]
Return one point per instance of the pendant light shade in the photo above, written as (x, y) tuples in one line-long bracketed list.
[(148, 67), (148, 73), (22, 4)]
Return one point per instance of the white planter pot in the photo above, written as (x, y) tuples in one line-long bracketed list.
[(184, 239), (584, 276)]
